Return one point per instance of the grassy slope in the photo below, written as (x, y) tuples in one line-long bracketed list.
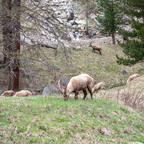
[(52, 120), (101, 68)]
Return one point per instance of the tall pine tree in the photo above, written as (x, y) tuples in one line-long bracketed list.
[(134, 47), (109, 16)]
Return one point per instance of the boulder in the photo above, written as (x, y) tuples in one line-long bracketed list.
[(78, 48), (96, 82), (70, 15), (125, 71), (63, 81), (50, 89), (1, 91)]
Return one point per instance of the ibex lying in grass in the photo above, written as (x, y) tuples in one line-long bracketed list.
[(95, 48), (132, 77), (8, 93), (23, 93), (76, 84)]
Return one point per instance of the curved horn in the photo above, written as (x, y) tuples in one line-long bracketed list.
[(60, 88), (91, 43)]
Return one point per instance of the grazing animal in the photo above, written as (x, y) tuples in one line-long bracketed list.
[(23, 93), (98, 86), (95, 48), (76, 84), (132, 77), (8, 93)]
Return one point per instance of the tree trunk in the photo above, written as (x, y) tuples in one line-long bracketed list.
[(16, 46), (7, 36), (113, 38), (7, 31), (86, 29)]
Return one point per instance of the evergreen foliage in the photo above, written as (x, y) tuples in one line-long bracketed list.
[(109, 16), (134, 47)]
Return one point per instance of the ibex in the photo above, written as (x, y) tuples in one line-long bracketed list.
[(8, 93), (95, 48), (23, 93), (76, 84), (132, 77), (98, 86)]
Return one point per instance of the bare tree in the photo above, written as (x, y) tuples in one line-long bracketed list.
[(27, 26)]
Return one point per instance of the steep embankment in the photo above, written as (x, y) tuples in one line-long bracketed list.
[(131, 94), (53, 120)]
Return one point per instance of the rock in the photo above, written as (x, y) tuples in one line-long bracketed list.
[(105, 132), (1, 91), (125, 71), (77, 48), (63, 80), (72, 22), (63, 15), (50, 89), (2, 115), (96, 82), (70, 15)]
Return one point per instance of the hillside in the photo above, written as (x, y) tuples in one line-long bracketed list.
[(53, 120), (103, 67), (131, 94)]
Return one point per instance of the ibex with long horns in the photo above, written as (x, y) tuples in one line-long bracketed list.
[(76, 84)]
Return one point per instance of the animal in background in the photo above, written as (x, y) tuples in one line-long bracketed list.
[(76, 84), (132, 77), (95, 48), (23, 93), (8, 93), (98, 86)]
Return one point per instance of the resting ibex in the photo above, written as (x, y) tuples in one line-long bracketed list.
[(95, 48), (98, 86), (23, 93), (76, 84), (8, 93), (132, 77)]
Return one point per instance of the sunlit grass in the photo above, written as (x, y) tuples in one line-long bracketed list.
[(50, 119)]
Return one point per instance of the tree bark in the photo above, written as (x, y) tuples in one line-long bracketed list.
[(16, 46), (7, 37), (7, 31), (113, 38), (87, 30)]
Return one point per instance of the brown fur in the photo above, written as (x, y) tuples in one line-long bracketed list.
[(95, 48), (132, 77), (23, 93), (8, 93), (78, 83), (98, 86)]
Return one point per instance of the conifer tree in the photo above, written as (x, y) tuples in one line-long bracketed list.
[(134, 46), (109, 16)]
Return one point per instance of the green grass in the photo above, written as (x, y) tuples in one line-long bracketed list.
[(101, 67), (50, 119)]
